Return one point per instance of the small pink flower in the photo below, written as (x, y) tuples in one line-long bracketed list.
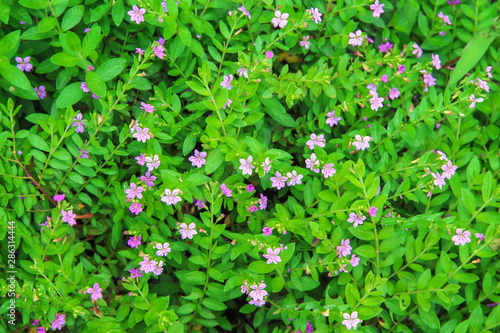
[(272, 256), (199, 159), (344, 249), (139, 50), (401, 69), (59, 197), (354, 261), (141, 134), (227, 192), (331, 119), (315, 13), (269, 55), (355, 39), (373, 211), (362, 142), (147, 107), (253, 208), (171, 197), (474, 100), (280, 19), (351, 321), (445, 18), (24, 64), (226, 82), (267, 231), (305, 43), (394, 93), (136, 14), (328, 170), (250, 188), (278, 181), (40, 91), (84, 87), (384, 78), (438, 180), (135, 208), (187, 231), (436, 62), (417, 50), (141, 159), (246, 165), (377, 8), (376, 102), (462, 237), (95, 292), (294, 178), (479, 236), (356, 219), (262, 202), (68, 217)]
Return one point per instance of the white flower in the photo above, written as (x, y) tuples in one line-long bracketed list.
[(163, 249), (188, 231), (152, 163), (351, 321), (280, 19), (355, 39), (294, 178), (246, 165), (462, 237), (171, 197), (361, 143)]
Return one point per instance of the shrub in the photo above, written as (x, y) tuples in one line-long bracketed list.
[(286, 166)]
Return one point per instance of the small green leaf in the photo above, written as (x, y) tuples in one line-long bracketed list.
[(276, 110), (69, 96), (65, 59), (47, 23), (95, 83), (38, 142), (261, 267), (72, 17), (111, 68)]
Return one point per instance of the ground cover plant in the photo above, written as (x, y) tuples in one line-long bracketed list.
[(256, 166)]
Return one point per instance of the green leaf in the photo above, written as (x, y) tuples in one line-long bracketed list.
[(214, 160), (213, 304), (366, 251), (277, 283), (466, 277), (261, 267), (38, 142), (472, 53), (468, 200), (34, 4), (476, 319), (276, 110), (111, 68), (91, 41), (191, 277), (69, 96), (197, 87), (72, 41), (489, 217), (488, 186), (65, 59), (118, 12), (9, 42), (184, 35), (72, 17), (17, 78), (95, 83), (47, 23), (189, 144)]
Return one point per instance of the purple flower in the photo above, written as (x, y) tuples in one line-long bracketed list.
[(200, 204), (134, 191), (141, 159), (40, 91), (147, 265), (401, 69), (262, 202), (373, 211), (316, 14), (199, 159), (269, 54), (95, 292), (135, 273), (280, 19), (94, 96), (135, 208), (83, 153), (377, 8), (227, 192), (266, 165), (354, 261), (246, 165), (436, 62), (136, 14), (242, 71), (272, 256), (253, 209), (35, 322), (267, 231), (462, 237), (163, 249), (312, 162), (305, 43), (386, 47), (331, 119), (356, 219), (344, 249), (148, 179), (226, 82), (448, 169), (159, 51), (454, 2), (152, 162), (417, 50), (479, 236), (384, 78), (147, 107), (394, 93), (90, 68), (58, 321), (142, 134), (134, 242), (258, 291), (316, 140), (429, 80), (84, 87), (328, 170), (79, 122), (22, 22), (278, 181), (59, 197), (68, 217), (250, 188), (438, 180), (376, 102), (24, 64), (86, 30), (227, 104), (294, 178), (139, 50), (445, 18), (474, 100)]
